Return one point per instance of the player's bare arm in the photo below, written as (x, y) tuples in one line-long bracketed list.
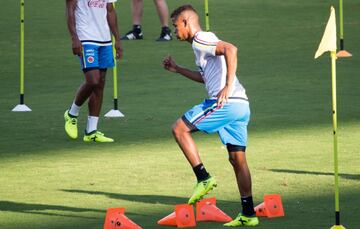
[(112, 21), (70, 15), (170, 65), (229, 51)]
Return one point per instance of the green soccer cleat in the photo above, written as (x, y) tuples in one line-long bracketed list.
[(201, 189), (96, 136), (242, 220), (70, 125)]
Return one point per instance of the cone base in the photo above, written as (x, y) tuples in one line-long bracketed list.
[(337, 227), (21, 108), (343, 53), (114, 114)]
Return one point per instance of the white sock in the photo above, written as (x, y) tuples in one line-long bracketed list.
[(74, 110), (91, 124)]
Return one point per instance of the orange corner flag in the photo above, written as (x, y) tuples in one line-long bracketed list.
[(328, 41)]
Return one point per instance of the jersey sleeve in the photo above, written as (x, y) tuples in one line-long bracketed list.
[(111, 1), (206, 42)]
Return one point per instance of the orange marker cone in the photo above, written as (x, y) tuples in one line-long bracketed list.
[(206, 210), (183, 216), (169, 220), (271, 207), (115, 219), (260, 210)]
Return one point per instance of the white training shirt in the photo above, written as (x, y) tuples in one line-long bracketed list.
[(91, 21), (213, 68)]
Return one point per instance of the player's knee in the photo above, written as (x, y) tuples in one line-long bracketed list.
[(232, 160), (236, 154), (176, 130)]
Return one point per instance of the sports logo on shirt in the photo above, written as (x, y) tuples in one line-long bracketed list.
[(97, 3), (90, 59)]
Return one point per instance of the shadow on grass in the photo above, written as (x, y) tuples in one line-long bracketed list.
[(342, 175), (41, 208), (150, 199)]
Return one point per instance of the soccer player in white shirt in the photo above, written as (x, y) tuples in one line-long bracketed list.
[(226, 111), (91, 23)]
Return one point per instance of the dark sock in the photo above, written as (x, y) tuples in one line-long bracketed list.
[(165, 29), (137, 28), (248, 206), (200, 172)]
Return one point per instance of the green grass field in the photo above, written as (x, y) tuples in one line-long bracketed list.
[(48, 181)]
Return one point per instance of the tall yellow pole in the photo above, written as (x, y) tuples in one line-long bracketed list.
[(22, 35), (114, 113), (207, 23), (336, 170)]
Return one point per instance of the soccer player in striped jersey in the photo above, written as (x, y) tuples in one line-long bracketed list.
[(90, 23), (225, 112)]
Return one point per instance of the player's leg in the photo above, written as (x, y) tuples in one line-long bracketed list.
[(96, 97), (237, 158), (97, 77), (197, 118), (182, 135), (163, 12), (205, 183), (89, 65), (95, 102), (234, 136), (137, 13)]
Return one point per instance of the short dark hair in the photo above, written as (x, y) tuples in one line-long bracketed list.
[(181, 9)]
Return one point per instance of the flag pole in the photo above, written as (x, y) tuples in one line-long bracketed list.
[(328, 43), (207, 23), (21, 107), (342, 52), (336, 170), (114, 113)]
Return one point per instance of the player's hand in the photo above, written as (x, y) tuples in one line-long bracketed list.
[(223, 96), (119, 50), (169, 64), (77, 47)]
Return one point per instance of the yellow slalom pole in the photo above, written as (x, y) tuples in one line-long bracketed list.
[(342, 52), (21, 107), (114, 113), (207, 23), (336, 171), (22, 38), (115, 76)]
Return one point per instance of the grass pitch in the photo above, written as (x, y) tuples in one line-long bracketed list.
[(49, 181)]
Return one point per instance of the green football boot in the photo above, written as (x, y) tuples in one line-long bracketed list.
[(96, 136), (241, 221), (70, 125), (201, 189)]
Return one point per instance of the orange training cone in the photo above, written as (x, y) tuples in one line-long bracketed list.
[(115, 219), (206, 210), (271, 207), (169, 220), (183, 216), (260, 210)]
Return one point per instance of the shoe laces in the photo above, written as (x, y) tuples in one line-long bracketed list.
[(73, 121)]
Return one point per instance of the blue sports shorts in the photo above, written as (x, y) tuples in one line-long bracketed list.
[(229, 121), (95, 56)]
